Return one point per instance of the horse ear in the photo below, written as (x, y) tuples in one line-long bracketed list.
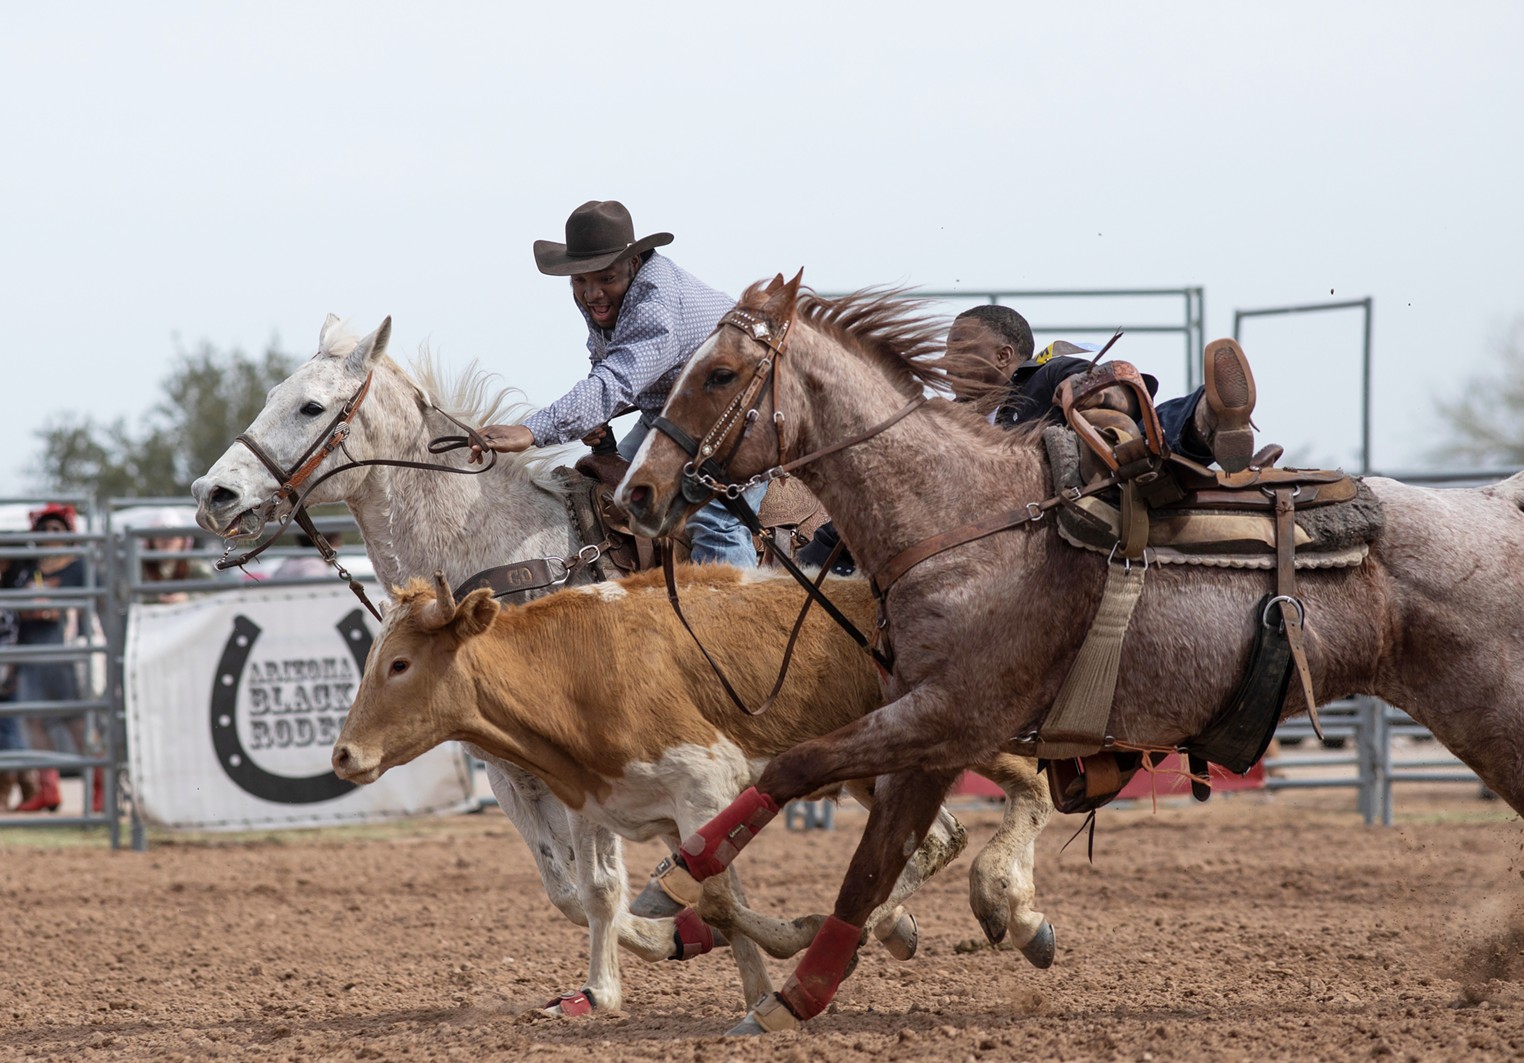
[(780, 302), (372, 347), (475, 613), (774, 284), (333, 319)]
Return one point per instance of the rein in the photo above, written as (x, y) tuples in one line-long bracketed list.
[(812, 586)]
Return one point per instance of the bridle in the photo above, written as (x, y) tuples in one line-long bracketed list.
[(330, 439), (286, 504), (705, 476)]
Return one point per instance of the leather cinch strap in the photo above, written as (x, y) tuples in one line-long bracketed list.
[(1285, 595)]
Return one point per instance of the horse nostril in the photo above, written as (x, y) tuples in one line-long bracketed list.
[(222, 496), (341, 759), (640, 498)]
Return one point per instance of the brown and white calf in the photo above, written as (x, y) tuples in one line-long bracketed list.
[(600, 693)]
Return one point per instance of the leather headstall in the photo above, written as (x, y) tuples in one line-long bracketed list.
[(331, 439), (707, 475)]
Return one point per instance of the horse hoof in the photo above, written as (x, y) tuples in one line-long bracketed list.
[(994, 929), (747, 1027), (570, 1005), (1041, 949), (899, 933), (768, 1016), (653, 903)]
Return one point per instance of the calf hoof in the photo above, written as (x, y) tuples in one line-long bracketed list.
[(1042, 948), (654, 903), (899, 933)]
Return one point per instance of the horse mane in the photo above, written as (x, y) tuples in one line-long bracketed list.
[(892, 327), (471, 397), (474, 397), (886, 324)]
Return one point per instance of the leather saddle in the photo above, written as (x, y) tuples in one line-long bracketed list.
[(1183, 512), (1125, 494), (590, 495)]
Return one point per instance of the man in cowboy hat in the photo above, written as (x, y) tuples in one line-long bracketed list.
[(645, 315)]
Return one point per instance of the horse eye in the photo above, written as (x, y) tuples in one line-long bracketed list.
[(312, 409), (399, 666), (719, 378)]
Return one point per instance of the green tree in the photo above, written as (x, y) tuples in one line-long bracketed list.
[(209, 397), (1487, 422)]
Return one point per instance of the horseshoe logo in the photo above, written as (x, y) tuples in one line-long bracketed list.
[(235, 760)]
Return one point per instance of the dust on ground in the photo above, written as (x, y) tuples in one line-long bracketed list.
[(1251, 928)]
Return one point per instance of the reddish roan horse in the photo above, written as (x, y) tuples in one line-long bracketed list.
[(985, 633)]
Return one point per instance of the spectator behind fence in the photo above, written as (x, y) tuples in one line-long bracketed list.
[(165, 569), (11, 739), (42, 681)]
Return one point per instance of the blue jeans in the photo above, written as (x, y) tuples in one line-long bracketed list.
[(1175, 419), (715, 535), (10, 733)]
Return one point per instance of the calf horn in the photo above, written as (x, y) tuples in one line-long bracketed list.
[(441, 610)]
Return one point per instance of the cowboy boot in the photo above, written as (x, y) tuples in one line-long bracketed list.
[(47, 797), (1222, 421), (26, 782)]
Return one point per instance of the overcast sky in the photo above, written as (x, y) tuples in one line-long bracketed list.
[(178, 173)]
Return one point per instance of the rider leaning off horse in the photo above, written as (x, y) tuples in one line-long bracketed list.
[(993, 350), (645, 316)]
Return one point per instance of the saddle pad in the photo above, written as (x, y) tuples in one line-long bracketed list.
[(1330, 535)]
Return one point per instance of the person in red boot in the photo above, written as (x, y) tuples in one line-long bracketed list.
[(11, 740), (42, 681)]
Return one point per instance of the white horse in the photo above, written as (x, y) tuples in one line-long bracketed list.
[(414, 521)]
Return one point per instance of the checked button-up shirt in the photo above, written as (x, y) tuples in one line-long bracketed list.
[(666, 314)]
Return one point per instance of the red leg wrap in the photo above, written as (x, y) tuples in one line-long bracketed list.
[(812, 985), (573, 1004), (694, 936), (710, 849)]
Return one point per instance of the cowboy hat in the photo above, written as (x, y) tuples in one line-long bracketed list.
[(598, 234)]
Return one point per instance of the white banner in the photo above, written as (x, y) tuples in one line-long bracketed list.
[(233, 704)]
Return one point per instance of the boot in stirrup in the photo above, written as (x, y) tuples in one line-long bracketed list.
[(1222, 420)]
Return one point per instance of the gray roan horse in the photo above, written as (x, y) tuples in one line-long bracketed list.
[(415, 521), (985, 633)]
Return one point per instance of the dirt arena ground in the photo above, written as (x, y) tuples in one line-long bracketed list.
[(1253, 928)]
